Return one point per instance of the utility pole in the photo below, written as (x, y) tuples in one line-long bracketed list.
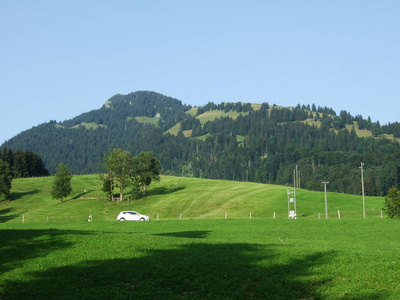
[(299, 180), (326, 199), (362, 186)]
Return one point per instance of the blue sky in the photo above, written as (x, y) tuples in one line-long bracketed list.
[(59, 59)]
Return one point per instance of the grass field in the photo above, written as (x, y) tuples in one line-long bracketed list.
[(211, 115), (172, 196), (57, 254), (201, 259), (153, 121)]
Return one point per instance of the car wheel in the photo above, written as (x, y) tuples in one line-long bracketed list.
[(122, 219), (141, 219)]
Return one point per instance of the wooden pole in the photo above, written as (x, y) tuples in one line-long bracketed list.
[(362, 186), (326, 200)]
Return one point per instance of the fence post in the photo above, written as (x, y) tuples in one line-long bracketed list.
[(381, 214), (250, 215), (180, 216), (23, 218), (319, 215), (158, 216), (47, 218), (274, 216), (338, 212)]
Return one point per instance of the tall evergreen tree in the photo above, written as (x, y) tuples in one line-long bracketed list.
[(5, 179)]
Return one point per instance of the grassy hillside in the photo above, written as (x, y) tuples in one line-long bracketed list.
[(172, 196), (214, 114), (153, 121), (204, 118), (90, 125)]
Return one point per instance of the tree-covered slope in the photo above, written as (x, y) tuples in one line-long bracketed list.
[(233, 141), (82, 141)]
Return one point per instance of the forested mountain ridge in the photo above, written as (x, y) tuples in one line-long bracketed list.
[(120, 109), (234, 141)]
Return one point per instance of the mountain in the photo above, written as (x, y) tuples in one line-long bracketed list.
[(234, 141)]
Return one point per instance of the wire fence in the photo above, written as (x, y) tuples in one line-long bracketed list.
[(93, 217)]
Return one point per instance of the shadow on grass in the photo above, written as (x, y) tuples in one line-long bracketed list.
[(4, 219), (191, 271), (18, 246), (19, 195), (163, 190), (6, 210), (80, 195), (186, 234), (5, 215)]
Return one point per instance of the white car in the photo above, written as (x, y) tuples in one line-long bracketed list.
[(132, 216)]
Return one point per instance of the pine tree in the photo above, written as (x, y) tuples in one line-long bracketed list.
[(5, 178)]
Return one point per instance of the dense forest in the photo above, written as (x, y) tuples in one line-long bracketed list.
[(244, 142), (23, 163)]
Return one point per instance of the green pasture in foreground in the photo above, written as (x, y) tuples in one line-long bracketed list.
[(57, 254), (172, 196), (202, 259)]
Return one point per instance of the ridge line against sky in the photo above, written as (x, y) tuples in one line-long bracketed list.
[(59, 59)]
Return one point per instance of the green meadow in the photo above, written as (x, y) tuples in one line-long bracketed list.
[(192, 251), (176, 197)]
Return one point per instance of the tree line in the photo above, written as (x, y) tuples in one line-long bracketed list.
[(18, 164), (23, 163)]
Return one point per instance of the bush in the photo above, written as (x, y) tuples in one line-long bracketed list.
[(392, 203)]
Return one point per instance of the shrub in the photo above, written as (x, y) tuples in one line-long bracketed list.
[(392, 203)]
